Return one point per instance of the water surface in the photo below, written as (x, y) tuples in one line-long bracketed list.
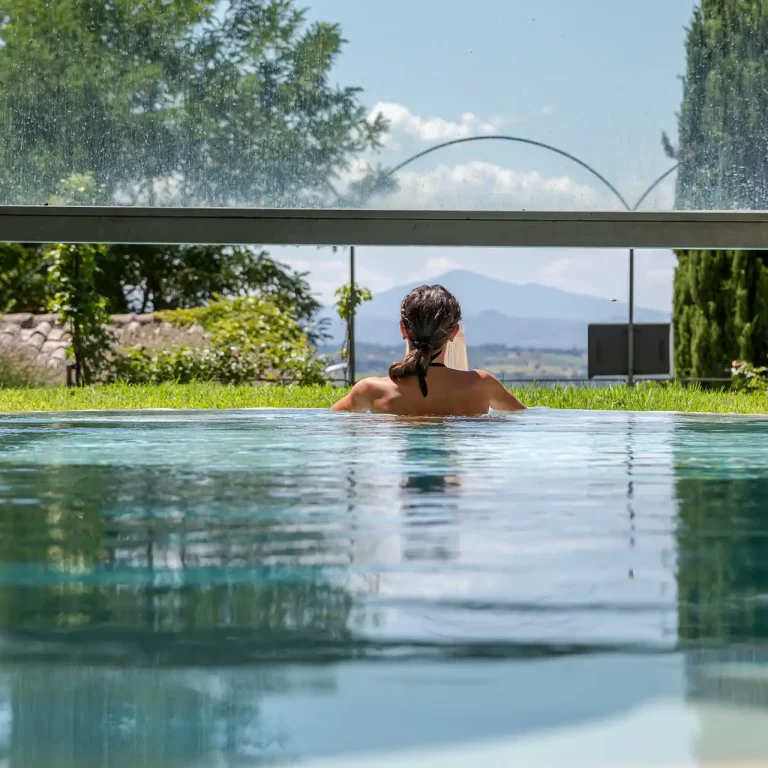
[(259, 587)]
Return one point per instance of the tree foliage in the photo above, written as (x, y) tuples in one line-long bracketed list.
[(346, 307), (251, 338), (720, 311), (81, 308), (181, 101), (148, 278), (723, 123), (24, 278), (721, 298)]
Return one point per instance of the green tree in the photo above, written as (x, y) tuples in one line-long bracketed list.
[(720, 298), (720, 311), (170, 277), (81, 308), (24, 283), (189, 102), (180, 101), (148, 278)]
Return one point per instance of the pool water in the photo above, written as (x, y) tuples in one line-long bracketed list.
[(300, 587)]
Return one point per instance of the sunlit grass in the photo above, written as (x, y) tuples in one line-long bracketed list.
[(176, 396), (647, 397), (644, 397)]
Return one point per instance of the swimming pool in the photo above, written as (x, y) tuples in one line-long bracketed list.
[(243, 588)]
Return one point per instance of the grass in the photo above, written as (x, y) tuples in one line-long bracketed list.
[(178, 396), (648, 397), (644, 397)]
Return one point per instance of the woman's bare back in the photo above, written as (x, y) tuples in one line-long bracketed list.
[(451, 393), (430, 319)]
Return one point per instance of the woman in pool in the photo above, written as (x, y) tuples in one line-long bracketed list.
[(429, 322)]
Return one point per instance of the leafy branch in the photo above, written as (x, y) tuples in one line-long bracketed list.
[(72, 271), (346, 307)]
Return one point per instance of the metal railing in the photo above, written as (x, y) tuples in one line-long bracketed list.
[(240, 226)]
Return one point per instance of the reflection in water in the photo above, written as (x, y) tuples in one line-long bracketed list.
[(165, 566), (431, 494), (723, 534), (160, 564), (722, 575), (79, 716), (222, 590), (631, 487)]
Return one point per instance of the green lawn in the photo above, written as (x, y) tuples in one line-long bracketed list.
[(195, 396)]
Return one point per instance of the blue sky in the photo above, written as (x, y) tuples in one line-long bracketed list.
[(605, 71), (599, 79)]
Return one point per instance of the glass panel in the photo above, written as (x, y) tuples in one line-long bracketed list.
[(258, 103)]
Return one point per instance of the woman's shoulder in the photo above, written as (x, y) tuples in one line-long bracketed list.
[(483, 376), (487, 382), (373, 386), (374, 382), (362, 396)]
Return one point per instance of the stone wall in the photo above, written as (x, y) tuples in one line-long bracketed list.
[(40, 336), (44, 341)]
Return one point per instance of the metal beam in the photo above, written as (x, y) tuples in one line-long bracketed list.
[(631, 323), (352, 298), (384, 227)]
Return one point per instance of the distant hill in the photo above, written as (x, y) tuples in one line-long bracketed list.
[(498, 312), (480, 293)]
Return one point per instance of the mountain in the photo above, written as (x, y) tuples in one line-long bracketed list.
[(480, 293), (493, 327), (498, 312)]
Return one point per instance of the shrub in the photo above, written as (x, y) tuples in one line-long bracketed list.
[(747, 376), (249, 339)]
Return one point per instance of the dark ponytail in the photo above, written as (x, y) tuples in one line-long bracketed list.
[(415, 363), (429, 314)]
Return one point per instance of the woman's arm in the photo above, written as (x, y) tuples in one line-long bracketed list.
[(499, 398), (358, 400)]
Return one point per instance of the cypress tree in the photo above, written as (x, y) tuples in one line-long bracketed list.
[(720, 310)]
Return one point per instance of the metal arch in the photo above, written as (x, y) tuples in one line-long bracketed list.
[(655, 184), (517, 140)]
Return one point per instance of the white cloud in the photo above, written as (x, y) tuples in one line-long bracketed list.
[(482, 185), (405, 127)]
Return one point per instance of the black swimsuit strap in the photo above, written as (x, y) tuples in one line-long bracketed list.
[(437, 365)]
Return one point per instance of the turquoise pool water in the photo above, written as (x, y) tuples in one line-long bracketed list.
[(267, 587)]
